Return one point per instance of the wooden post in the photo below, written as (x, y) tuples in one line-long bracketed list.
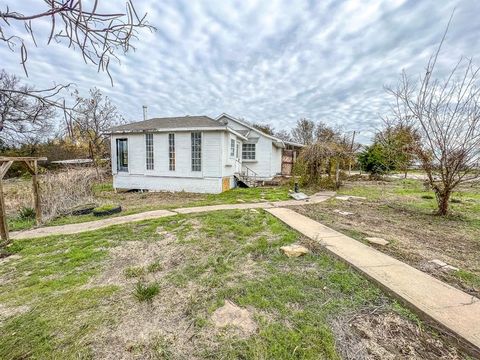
[(3, 218), (36, 193)]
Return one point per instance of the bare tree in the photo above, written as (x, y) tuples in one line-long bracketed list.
[(265, 128), (303, 132), (283, 135), (97, 35), (24, 111), (447, 116), (91, 119)]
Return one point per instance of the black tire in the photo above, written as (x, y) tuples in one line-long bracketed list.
[(112, 211), (83, 209)]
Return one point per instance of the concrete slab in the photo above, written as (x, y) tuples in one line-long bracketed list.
[(200, 209), (377, 241), (88, 226), (298, 196), (454, 310)]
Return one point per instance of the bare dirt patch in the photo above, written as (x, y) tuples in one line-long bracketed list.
[(9, 311), (387, 336), (232, 315)]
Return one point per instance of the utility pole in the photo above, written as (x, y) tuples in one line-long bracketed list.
[(351, 155)]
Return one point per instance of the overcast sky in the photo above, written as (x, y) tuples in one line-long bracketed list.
[(266, 61)]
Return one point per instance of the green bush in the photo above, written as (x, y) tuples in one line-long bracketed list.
[(374, 160), (26, 213)]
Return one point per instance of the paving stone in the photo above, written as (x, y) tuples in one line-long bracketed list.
[(348, 197), (449, 268), (299, 196), (377, 240), (438, 263), (344, 213), (294, 250)]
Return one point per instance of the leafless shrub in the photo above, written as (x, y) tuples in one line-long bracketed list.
[(61, 191), (446, 114)]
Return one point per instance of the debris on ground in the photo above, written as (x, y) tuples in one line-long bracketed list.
[(377, 240), (348, 197), (344, 213), (231, 314), (299, 196), (387, 335), (240, 200), (294, 250), (254, 210), (439, 264)]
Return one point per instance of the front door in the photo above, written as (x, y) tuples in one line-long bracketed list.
[(238, 157)]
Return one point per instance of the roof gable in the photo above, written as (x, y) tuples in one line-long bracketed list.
[(247, 126)]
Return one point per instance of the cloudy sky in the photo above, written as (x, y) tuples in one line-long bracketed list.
[(265, 61)]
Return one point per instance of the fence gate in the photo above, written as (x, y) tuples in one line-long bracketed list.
[(287, 162)]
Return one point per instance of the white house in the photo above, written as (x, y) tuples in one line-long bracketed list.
[(195, 154)]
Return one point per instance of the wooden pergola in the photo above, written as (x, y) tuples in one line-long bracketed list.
[(32, 167)]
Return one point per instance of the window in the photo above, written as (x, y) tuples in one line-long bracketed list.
[(196, 151), (248, 151), (149, 151), (171, 152), (122, 155), (232, 148)]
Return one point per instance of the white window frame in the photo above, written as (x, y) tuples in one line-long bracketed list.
[(171, 152), (196, 151), (232, 148), (249, 152), (149, 152)]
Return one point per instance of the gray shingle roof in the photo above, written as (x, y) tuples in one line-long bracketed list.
[(169, 123)]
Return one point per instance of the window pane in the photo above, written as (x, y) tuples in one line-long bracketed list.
[(122, 155), (232, 148), (171, 152), (196, 151), (149, 151), (248, 151)]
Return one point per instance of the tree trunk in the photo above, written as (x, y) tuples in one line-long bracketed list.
[(443, 199)]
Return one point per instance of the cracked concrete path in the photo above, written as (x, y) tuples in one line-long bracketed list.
[(88, 226), (148, 215), (456, 311)]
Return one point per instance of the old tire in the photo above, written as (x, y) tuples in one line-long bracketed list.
[(82, 209), (111, 211)]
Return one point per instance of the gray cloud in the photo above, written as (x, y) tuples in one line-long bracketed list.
[(270, 62)]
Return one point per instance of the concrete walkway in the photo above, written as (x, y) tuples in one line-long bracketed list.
[(456, 311), (148, 215)]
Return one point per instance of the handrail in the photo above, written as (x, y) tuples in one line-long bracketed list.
[(247, 171)]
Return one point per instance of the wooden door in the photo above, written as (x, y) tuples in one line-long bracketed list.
[(287, 162)]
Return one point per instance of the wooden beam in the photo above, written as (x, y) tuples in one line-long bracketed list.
[(29, 165), (3, 218), (20, 158), (4, 168), (36, 192)]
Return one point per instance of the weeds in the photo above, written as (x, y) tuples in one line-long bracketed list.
[(146, 292), (26, 213)]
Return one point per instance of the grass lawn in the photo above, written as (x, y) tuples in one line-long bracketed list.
[(401, 211), (135, 202), (155, 290)]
